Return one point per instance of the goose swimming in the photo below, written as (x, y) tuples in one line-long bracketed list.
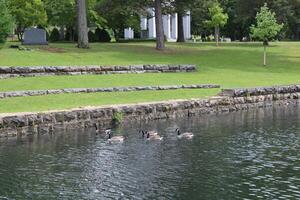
[(153, 136), (184, 135), (115, 139)]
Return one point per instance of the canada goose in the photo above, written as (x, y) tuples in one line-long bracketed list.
[(116, 139), (143, 133), (184, 135), (97, 128), (152, 133), (51, 129), (153, 137)]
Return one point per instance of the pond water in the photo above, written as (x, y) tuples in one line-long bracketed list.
[(244, 155)]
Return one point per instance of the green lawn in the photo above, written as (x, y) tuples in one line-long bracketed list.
[(231, 65), (65, 101)]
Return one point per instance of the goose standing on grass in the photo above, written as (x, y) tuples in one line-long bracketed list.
[(184, 135), (153, 136), (116, 139)]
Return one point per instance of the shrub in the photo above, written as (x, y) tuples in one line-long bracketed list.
[(68, 35), (117, 118), (102, 35), (92, 36), (54, 36), (97, 34), (71, 34), (6, 24)]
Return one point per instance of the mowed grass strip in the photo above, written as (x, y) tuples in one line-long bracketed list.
[(225, 78), (68, 101)]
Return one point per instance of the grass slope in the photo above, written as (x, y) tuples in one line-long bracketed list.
[(66, 101), (231, 65)]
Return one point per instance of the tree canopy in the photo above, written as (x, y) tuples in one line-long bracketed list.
[(6, 21), (266, 27), (233, 17), (27, 13)]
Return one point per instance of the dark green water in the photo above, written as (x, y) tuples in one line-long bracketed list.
[(244, 155)]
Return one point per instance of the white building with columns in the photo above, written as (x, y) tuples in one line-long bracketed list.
[(170, 24)]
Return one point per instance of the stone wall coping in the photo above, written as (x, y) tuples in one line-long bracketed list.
[(32, 71), (24, 93), (243, 92), (113, 106)]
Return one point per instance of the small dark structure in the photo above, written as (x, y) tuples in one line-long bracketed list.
[(35, 36)]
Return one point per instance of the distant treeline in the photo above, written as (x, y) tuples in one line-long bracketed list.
[(242, 14), (115, 15)]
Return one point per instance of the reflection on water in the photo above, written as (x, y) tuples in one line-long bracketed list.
[(244, 155)]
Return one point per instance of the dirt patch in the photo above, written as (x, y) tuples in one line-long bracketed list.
[(53, 49)]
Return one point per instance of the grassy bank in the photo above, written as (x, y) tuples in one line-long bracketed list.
[(231, 65), (67, 101)]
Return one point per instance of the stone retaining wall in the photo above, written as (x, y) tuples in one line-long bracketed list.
[(94, 90), (11, 72), (24, 124), (260, 91)]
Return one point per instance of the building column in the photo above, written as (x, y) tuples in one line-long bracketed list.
[(152, 25), (174, 30), (187, 25), (128, 33), (167, 26), (144, 23)]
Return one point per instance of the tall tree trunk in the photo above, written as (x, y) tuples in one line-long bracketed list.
[(160, 38), (62, 33), (116, 35), (19, 37), (83, 39), (217, 35), (265, 55), (180, 28), (20, 32)]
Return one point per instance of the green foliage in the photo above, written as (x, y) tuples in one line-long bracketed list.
[(92, 36), (120, 15), (217, 16), (199, 17), (102, 35), (27, 13), (54, 36), (61, 12), (117, 117), (6, 21), (266, 27), (94, 18)]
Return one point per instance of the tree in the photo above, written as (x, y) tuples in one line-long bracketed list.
[(266, 28), (199, 17), (217, 19), (27, 13), (83, 39), (6, 21), (181, 7), (61, 13), (119, 15), (160, 36)]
